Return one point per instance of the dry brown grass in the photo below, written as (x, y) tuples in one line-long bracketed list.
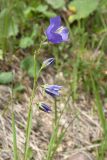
[(82, 135)]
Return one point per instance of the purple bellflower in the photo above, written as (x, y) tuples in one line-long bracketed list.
[(47, 62), (44, 107), (52, 90), (56, 33)]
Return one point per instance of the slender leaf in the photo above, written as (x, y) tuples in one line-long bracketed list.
[(14, 138), (28, 131)]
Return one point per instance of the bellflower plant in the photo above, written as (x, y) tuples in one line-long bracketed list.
[(52, 90), (56, 33)]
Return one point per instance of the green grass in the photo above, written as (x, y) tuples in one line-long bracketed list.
[(103, 121), (14, 138)]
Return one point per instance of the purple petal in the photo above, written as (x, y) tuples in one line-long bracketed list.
[(44, 107), (56, 21), (48, 31), (55, 87), (64, 34), (54, 38), (52, 92)]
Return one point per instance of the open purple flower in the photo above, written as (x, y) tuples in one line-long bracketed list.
[(44, 107), (52, 90), (47, 62), (56, 33)]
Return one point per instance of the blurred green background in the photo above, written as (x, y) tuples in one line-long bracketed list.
[(22, 26)]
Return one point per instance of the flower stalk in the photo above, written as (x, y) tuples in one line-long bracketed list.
[(29, 119), (55, 113)]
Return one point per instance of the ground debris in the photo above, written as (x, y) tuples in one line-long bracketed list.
[(84, 127)]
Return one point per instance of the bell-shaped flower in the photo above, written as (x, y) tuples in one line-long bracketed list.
[(52, 90), (56, 33), (44, 107)]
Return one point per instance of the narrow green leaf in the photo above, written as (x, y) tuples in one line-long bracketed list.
[(29, 153), (52, 142), (74, 84), (28, 131), (99, 105), (59, 140), (1, 54), (14, 138), (102, 118)]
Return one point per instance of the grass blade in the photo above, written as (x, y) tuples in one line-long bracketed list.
[(52, 142), (99, 105), (102, 118), (28, 131), (14, 138)]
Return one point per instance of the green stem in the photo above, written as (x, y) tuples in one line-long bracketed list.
[(15, 152), (55, 114), (29, 119), (14, 137)]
